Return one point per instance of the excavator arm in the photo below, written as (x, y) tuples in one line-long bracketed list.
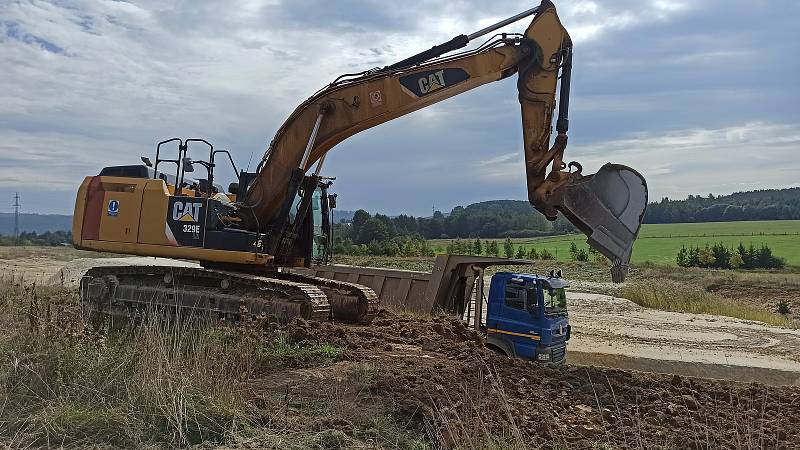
[(607, 206)]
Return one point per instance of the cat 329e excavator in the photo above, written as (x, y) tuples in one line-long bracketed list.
[(279, 216)]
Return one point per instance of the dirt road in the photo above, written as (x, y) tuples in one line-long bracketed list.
[(617, 332)]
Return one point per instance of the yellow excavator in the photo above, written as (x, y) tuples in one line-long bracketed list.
[(278, 217)]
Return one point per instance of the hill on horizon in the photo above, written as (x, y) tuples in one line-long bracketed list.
[(518, 215), (38, 223)]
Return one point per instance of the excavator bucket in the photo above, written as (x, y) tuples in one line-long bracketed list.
[(608, 207)]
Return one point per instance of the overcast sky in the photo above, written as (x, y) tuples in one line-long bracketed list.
[(700, 96)]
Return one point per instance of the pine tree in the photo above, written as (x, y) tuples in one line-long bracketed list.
[(508, 248), (573, 250), (520, 252), (477, 247), (694, 257), (683, 258), (533, 254)]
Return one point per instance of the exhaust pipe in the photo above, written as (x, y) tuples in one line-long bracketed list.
[(608, 207)]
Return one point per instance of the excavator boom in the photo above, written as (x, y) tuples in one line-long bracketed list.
[(607, 206)]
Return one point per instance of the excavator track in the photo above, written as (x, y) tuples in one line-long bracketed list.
[(229, 295), (350, 302)]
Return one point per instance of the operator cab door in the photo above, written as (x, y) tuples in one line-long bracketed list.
[(514, 320)]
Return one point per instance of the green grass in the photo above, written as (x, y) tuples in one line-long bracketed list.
[(659, 243)]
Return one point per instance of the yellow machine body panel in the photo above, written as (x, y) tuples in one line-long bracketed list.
[(138, 216)]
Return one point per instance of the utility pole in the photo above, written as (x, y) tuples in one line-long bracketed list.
[(16, 218)]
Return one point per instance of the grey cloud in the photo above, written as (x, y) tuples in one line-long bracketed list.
[(647, 74)]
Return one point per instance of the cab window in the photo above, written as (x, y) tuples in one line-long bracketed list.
[(555, 300), (515, 296)]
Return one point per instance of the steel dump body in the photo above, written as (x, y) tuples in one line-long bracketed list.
[(448, 288), (404, 290)]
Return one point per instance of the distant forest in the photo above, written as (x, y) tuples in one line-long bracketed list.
[(770, 204), (517, 218), (492, 219)]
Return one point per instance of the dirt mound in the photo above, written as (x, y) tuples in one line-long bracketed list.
[(436, 368)]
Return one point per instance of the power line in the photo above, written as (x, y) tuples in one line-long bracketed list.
[(16, 218)]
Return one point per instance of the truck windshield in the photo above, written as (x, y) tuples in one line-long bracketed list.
[(555, 301)]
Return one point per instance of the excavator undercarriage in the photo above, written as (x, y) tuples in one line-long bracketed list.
[(227, 295)]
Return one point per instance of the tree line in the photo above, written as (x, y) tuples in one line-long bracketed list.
[(493, 219), (770, 204), (507, 249), (48, 238), (718, 256)]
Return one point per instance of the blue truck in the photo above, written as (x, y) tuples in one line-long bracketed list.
[(526, 316)]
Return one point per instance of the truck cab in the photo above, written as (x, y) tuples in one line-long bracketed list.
[(527, 316)]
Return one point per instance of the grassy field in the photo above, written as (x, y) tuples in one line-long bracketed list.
[(659, 243)]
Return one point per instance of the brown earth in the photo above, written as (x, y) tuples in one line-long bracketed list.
[(435, 375), (436, 371)]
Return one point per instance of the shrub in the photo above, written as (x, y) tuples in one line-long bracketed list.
[(546, 255)]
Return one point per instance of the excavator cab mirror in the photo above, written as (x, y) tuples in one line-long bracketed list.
[(147, 161), (187, 165)]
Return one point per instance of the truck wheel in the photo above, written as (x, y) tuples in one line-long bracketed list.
[(497, 350)]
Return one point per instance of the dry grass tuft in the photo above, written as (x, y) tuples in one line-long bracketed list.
[(672, 295), (68, 378)]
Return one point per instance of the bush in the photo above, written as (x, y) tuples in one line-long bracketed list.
[(546, 255)]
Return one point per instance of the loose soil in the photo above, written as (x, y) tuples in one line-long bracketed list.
[(434, 376), (437, 371)]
